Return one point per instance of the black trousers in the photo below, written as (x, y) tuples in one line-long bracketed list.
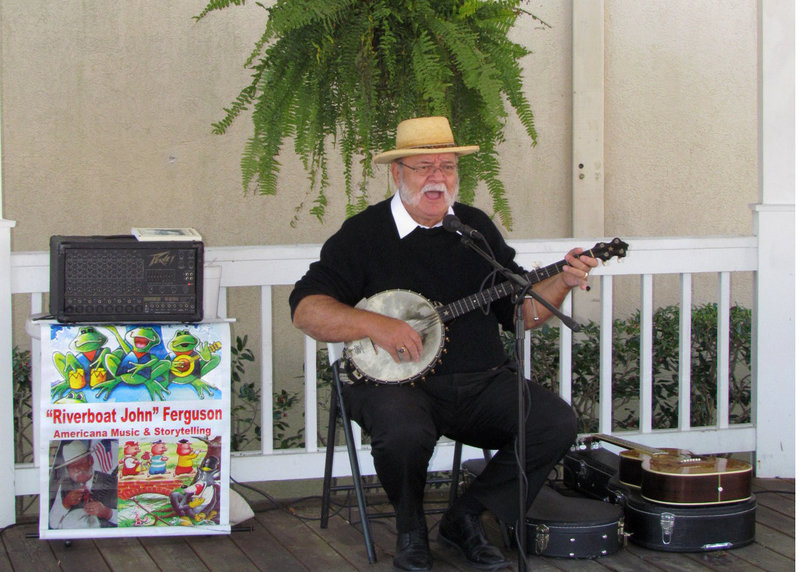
[(405, 422)]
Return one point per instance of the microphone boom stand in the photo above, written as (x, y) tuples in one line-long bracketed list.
[(523, 288)]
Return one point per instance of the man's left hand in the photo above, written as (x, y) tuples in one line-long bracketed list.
[(576, 271)]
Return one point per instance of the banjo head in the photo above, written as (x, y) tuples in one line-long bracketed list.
[(375, 363)]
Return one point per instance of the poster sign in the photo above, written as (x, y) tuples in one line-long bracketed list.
[(135, 430)]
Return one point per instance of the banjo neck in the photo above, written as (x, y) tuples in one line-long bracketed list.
[(485, 297)]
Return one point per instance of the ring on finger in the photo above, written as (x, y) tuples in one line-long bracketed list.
[(585, 275), (401, 350)]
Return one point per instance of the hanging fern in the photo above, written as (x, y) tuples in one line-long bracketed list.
[(346, 72)]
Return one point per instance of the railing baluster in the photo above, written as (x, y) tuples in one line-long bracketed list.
[(723, 350), (36, 376), (685, 355), (222, 304), (310, 392), (646, 356), (527, 355), (267, 385), (565, 353), (606, 409)]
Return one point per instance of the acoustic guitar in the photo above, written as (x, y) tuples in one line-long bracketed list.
[(429, 319), (679, 477)]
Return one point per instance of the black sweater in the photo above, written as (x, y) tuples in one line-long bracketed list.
[(366, 256)]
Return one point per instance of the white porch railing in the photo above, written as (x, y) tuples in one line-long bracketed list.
[(271, 266)]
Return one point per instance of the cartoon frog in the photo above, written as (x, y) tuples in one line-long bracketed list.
[(86, 366), (134, 364), (191, 360)]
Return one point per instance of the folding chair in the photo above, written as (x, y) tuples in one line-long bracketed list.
[(337, 411)]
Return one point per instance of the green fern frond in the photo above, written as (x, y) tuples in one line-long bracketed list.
[(241, 103), (429, 73), (218, 5), (291, 15)]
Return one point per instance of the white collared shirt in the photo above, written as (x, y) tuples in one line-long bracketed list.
[(405, 224)]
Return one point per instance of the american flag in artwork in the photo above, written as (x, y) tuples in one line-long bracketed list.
[(105, 459)]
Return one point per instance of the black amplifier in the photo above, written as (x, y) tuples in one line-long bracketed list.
[(122, 279)]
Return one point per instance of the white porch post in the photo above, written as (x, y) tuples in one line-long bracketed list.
[(774, 348), (7, 500), (7, 511), (588, 115)]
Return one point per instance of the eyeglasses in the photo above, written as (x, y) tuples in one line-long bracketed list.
[(426, 169)]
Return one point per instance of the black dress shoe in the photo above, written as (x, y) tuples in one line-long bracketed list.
[(413, 552), (466, 533)]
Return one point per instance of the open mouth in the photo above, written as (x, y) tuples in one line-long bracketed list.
[(140, 343), (434, 191)]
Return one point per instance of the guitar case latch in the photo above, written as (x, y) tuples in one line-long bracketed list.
[(542, 537), (667, 526)]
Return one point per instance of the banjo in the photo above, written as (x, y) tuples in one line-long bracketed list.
[(429, 319)]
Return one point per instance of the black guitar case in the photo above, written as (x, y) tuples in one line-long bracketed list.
[(675, 528), (563, 526), (589, 469), (573, 527)]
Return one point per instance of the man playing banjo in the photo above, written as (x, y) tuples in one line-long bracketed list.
[(470, 395)]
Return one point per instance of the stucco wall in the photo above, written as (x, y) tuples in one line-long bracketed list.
[(681, 117), (106, 114)]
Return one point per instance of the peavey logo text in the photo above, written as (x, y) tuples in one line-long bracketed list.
[(161, 259)]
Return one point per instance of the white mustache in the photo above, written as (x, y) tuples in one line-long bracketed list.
[(434, 187)]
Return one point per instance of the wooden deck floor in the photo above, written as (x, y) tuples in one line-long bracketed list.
[(286, 536)]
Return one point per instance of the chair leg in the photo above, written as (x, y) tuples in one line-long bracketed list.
[(455, 473), (326, 479), (352, 454)]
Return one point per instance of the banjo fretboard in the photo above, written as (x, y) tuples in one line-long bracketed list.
[(453, 310)]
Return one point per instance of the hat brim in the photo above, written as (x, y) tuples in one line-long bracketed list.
[(72, 460), (389, 156)]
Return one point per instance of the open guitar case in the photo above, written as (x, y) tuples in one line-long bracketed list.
[(566, 525), (672, 528)]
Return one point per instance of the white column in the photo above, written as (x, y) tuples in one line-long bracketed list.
[(774, 314), (588, 101), (7, 511)]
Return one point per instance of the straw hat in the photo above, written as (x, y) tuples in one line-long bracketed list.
[(73, 451), (422, 136)]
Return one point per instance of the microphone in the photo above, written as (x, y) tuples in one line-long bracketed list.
[(453, 224)]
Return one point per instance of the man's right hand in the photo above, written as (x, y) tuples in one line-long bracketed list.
[(73, 497), (399, 339), (328, 320)]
